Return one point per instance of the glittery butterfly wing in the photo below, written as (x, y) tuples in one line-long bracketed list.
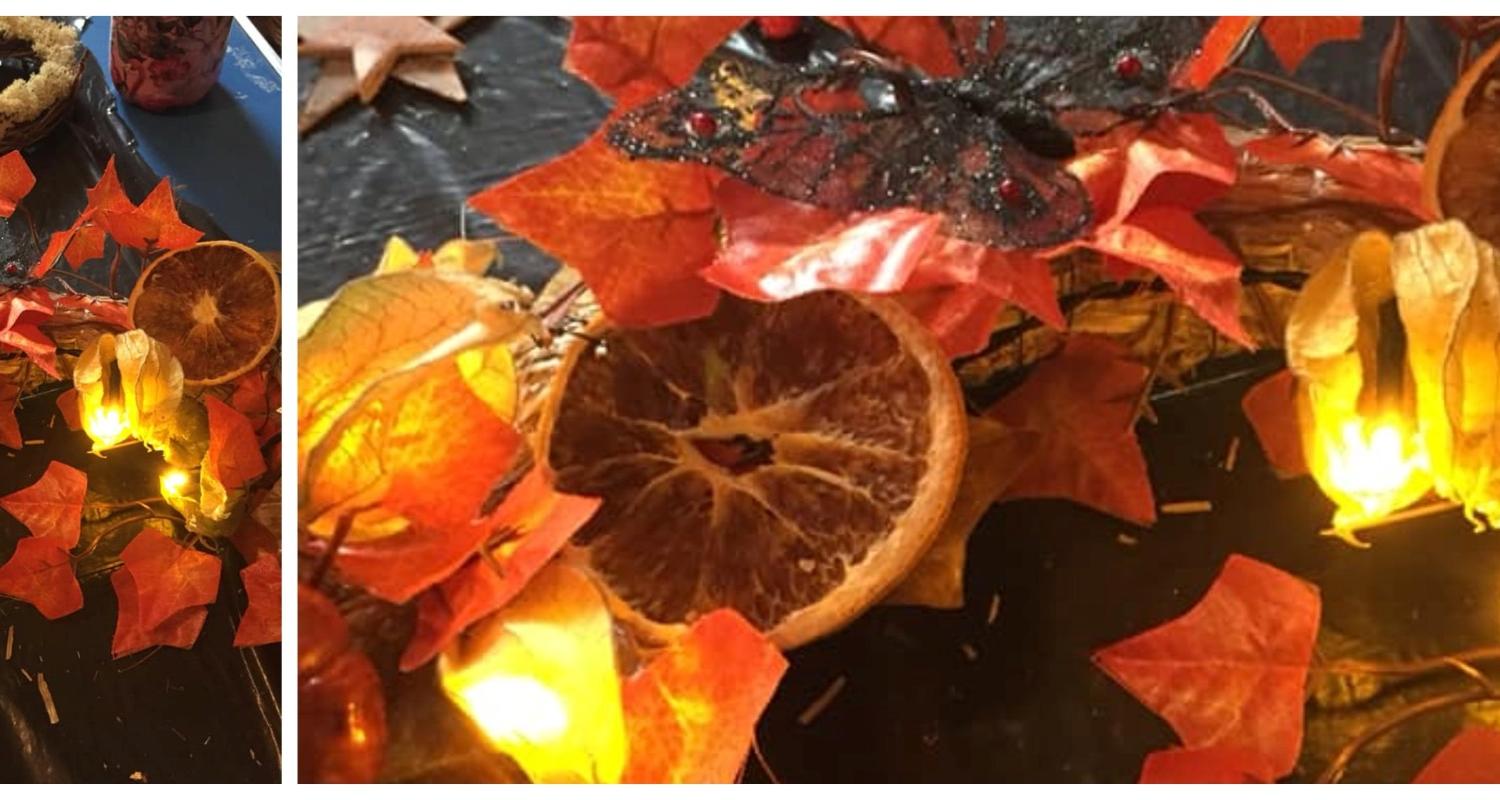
[(1110, 63), (855, 136)]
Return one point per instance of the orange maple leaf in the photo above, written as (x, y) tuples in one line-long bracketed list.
[(1292, 38), (16, 181), (633, 59)]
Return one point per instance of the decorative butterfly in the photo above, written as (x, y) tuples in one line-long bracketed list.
[(820, 118)]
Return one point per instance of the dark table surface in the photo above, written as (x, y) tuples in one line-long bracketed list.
[(915, 707), (208, 714)]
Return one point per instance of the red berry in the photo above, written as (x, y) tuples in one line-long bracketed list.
[(776, 28), (13, 269), (1012, 192), (1128, 66), (702, 124)]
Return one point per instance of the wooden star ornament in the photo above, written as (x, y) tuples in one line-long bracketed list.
[(373, 44)]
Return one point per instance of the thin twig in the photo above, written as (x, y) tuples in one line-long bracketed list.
[(1308, 92), (1340, 762), (340, 533), (1390, 60), (1478, 655)]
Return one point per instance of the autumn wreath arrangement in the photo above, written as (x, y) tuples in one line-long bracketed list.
[(181, 365), (744, 412), (34, 100)]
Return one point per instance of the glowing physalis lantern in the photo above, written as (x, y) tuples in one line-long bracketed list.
[(538, 681), (129, 385), (1346, 343)]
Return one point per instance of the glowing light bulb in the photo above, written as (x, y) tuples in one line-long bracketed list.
[(509, 709), (1371, 467), (106, 425), (173, 481)]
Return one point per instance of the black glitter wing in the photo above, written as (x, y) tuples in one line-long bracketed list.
[(858, 136)]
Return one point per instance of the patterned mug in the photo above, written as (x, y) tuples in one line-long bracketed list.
[(159, 63)]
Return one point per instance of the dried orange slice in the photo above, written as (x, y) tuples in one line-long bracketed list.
[(1461, 176), (217, 305), (790, 461)]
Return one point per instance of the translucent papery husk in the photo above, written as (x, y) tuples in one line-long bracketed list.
[(149, 378), (1448, 289)]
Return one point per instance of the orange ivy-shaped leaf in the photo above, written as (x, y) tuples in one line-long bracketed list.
[(52, 507), (1232, 671), (41, 573), (1082, 403), (101, 309), (1292, 38), (1383, 175), (168, 577), (261, 623), (16, 181), (21, 314), (638, 231), (233, 457), (635, 58), (10, 428), (67, 408), (1220, 45), (539, 520), (179, 630), (1473, 756), (690, 713), (1205, 765), (1271, 407)]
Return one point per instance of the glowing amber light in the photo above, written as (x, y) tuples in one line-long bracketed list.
[(509, 709), (1372, 469), (173, 482), (106, 425)]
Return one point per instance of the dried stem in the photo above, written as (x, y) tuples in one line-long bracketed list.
[(1340, 763), (1478, 655), (1309, 93), (1390, 60)]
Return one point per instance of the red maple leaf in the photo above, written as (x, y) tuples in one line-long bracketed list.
[(690, 713), (918, 41), (1382, 175), (53, 506), (1221, 44), (542, 520), (179, 630), (67, 407), (1205, 765), (168, 577), (1271, 407), (233, 457), (10, 427), (16, 181), (1292, 38), (1473, 756), (633, 59), (261, 622), (1082, 403), (1232, 671), (41, 573), (21, 315), (638, 231)]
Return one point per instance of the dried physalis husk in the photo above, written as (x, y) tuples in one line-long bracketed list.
[(1449, 292), (1356, 402), (128, 385)]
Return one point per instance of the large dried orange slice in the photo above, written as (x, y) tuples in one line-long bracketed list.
[(791, 461), (217, 305), (1461, 175)]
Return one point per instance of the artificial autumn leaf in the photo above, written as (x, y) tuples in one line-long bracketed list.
[(257, 395), (52, 507), (57, 243), (153, 224), (234, 458), (41, 573), (1383, 175), (10, 427), (21, 313), (1082, 404), (633, 59), (102, 309), (1232, 671), (84, 244), (539, 680), (540, 520), (261, 622), (397, 453), (918, 41), (169, 232), (1221, 44), (638, 231), (1473, 756), (1218, 764), (461, 255), (1271, 407), (1292, 38), (961, 317), (690, 713), (179, 630), (16, 181), (168, 577), (997, 455)]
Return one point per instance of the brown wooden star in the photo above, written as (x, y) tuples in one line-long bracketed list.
[(336, 83), (373, 44)]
